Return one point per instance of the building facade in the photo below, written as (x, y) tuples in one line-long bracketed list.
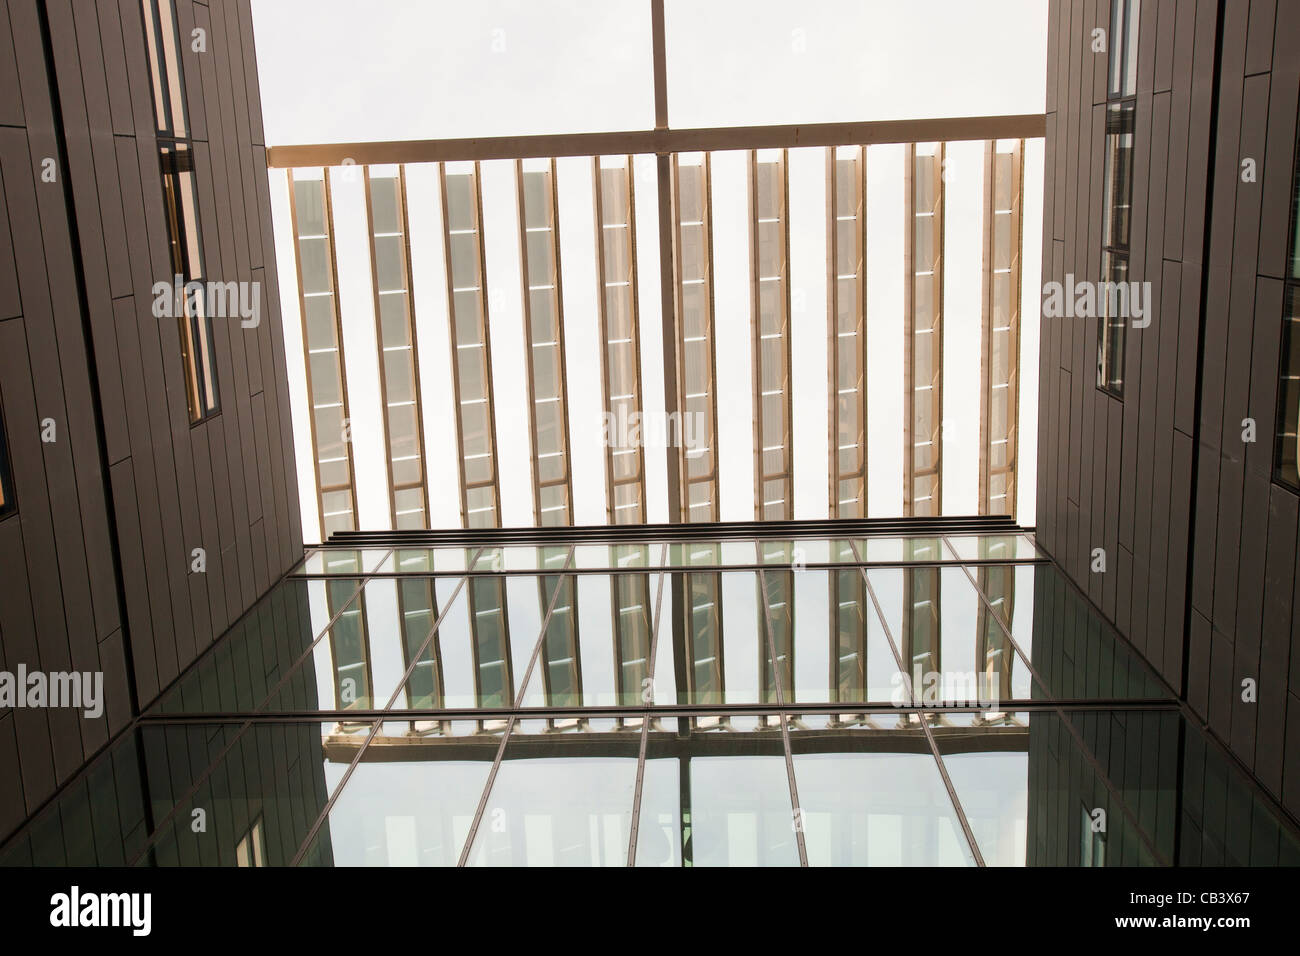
[(148, 497)]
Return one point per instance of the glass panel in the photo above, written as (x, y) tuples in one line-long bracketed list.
[(1077, 654), (343, 561), (560, 799), (951, 656), (900, 550), (411, 800), (995, 547), (238, 672), (717, 793), (870, 794), (486, 641)]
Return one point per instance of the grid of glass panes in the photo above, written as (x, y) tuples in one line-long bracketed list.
[(469, 679), (472, 354), (769, 250), (399, 373), (696, 359), (847, 332), (544, 324), (1000, 388), (923, 332), (620, 333), (323, 343)]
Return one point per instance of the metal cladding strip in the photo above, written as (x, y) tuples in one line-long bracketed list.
[(510, 722), (925, 727)]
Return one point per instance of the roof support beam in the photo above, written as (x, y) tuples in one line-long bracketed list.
[(660, 141)]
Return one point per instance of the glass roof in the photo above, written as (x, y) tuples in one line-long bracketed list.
[(934, 700)]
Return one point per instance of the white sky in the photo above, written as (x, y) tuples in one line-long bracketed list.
[(332, 72)]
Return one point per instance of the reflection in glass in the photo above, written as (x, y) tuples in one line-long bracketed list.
[(871, 794), (560, 799), (717, 793), (411, 799)]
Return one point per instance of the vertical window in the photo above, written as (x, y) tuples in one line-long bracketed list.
[(923, 331), (322, 336), (251, 849), (1118, 195), (462, 204), (7, 502), (696, 360), (1123, 47), (539, 251), (1286, 466), (770, 296), (1092, 844), (620, 332), (399, 366), (180, 197), (1000, 332), (846, 238)]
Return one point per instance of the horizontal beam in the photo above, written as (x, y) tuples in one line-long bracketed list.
[(664, 141), (655, 533)]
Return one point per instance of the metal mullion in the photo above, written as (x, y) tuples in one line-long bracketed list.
[(634, 829), (781, 716), (510, 722)]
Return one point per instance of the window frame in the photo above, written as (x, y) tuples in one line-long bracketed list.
[(8, 500), (1289, 342), (1121, 100), (173, 136)]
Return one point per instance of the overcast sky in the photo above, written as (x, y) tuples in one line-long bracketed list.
[(332, 71)]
